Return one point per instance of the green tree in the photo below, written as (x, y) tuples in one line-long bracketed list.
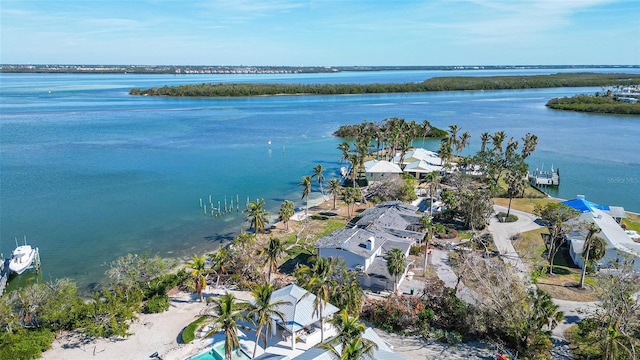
[(219, 261), (529, 143), (287, 210), (318, 173), (516, 179), (592, 229), (348, 293), (263, 312), (306, 190), (256, 215), (484, 138), (350, 338), (198, 273), (396, 264), (350, 196), (497, 141), (555, 217), (321, 284), (227, 313), (272, 254), (335, 190)]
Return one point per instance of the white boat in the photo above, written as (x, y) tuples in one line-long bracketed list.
[(22, 258)]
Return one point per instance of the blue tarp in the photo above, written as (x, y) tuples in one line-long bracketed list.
[(583, 205)]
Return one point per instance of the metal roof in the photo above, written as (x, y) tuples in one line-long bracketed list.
[(298, 312)]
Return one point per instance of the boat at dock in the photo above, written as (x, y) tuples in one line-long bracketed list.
[(542, 177), (24, 257)]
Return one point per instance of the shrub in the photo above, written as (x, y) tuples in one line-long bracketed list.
[(25, 344), (157, 304), (502, 217), (415, 250), (188, 334)]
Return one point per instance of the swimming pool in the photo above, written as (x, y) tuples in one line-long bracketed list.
[(217, 353)]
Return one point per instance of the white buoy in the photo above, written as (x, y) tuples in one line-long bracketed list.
[(269, 144)]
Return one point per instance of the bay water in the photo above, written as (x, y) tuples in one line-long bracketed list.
[(89, 173)]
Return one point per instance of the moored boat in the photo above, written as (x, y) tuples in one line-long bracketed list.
[(22, 258)]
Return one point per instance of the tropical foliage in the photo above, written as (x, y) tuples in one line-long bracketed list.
[(256, 215), (225, 315), (263, 312), (595, 104)]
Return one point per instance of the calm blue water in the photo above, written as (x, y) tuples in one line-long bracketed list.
[(89, 173)]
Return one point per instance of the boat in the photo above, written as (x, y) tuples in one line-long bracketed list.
[(22, 258)]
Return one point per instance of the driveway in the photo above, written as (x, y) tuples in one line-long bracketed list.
[(503, 232)]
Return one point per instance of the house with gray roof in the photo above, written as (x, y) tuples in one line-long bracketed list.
[(367, 239)]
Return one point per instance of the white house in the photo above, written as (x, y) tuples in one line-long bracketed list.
[(419, 154), (366, 240), (420, 168), (619, 242), (379, 169)]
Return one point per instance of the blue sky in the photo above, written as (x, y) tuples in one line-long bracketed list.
[(320, 32)]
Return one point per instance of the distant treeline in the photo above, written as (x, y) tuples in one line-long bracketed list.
[(595, 104), (434, 84)]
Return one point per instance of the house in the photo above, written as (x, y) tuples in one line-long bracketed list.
[(300, 319), (420, 168), (419, 154), (607, 218), (376, 170), (366, 240)]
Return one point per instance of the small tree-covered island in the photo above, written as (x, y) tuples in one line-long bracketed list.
[(620, 100), (453, 83)]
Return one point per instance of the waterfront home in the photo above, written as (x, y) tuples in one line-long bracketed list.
[(301, 322), (376, 170), (418, 154), (421, 168), (620, 246), (366, 240)]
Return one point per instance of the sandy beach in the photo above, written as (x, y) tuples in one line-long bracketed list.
[(160, 333)]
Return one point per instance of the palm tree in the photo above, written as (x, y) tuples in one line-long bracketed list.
[(219, 261), (306, 190), (334, 190), (512, 146), (497, 140), (321, 284), (228, 313), (516, 182), (354, 160), (198, 272), (592, 229), (256, 215), (463, 142), (286, 212), (484, 137), (529, 143), (445, 150), (426, 128), (453, 130), (272, 254), (396, 264), (318, 174), (344, 147), (263, 312), (350, 331), (348, 294), (350, 196)]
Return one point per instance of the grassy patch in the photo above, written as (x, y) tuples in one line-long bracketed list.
[(189, 332), (531, 247), (632, 222), (524, 204)]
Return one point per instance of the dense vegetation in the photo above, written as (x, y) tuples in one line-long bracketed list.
[(433, 84), (30, 317), (595, 104), (416, 130)]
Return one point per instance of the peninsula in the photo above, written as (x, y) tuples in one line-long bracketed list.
[(453, 83)]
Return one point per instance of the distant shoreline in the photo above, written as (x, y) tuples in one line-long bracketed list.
[(240, 69)]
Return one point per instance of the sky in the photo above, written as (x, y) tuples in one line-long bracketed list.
[(320, 32)]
